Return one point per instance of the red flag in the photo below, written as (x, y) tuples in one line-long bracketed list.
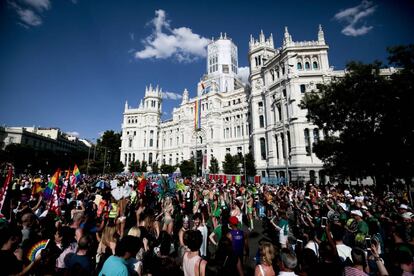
[(3, 190), (64, 189), (54, 203), (142, 184)]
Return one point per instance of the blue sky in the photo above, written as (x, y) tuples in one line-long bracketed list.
[(72, 64)]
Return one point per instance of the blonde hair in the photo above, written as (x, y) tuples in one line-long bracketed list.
[(134, 231), (108, 235), (267, 251)]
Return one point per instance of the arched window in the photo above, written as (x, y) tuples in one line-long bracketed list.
[(201, 139), (288, 141), (282, 137), (125, 159), (279, 111), (272, 73), (212, 133), (307, 141), (133, 157), (299, 66), (238, 131), (261, 121), (307, 65), (130, 142), (151, 141), (283, 69), (315, 65), (129, 157), (263, 148), (315, 135), (277, 147), (302, 88), (150, 158)]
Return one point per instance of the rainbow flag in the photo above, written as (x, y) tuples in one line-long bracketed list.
[(36, 187), (197, 115), (36, 248), (47, 193), (77, 173)]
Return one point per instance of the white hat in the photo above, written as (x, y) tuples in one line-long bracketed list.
[(403, 206), (357, 213), (407, 215), (343, 206)]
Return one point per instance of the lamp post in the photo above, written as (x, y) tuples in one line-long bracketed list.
[(89, 153), (104, 165)]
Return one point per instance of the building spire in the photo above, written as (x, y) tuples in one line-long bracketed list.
[(126, 106), (261, 37), (321, 36), (287, 38)]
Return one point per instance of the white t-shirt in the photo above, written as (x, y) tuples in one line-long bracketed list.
[(344, 251), (204, 233), (314, 246)]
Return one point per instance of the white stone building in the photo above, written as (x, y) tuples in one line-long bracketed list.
[(52, 139), (235, 116)]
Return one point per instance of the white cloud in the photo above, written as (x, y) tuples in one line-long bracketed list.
[(73, 133), (171, 96), (39, 5), (165, 42), (101, 133), (243, 74), (29, 17), (30, 11), (353, 17)]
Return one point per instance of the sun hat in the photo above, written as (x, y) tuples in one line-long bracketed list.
[(357, 213)]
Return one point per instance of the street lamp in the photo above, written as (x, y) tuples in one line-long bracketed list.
[(89, 153), (104, 166)]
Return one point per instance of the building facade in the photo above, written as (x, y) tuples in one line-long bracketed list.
[(235, 117), (42, 139)]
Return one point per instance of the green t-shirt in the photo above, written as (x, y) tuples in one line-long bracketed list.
[(363, 227), (218, 232)]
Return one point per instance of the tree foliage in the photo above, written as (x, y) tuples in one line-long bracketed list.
[(214, 165), (165, 168), (187, 168), (230, 164), (135, 166), (369, 116), (250, 165), (109, 144)]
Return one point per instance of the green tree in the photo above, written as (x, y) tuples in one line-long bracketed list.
[(371, 118), (187, 168), (165, 168), (230, 164), (135, 166), (155, 168), (214, 165), (108, 148), (144, 166), (250, 164)]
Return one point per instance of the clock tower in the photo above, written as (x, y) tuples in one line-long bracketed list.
[(222, 66)]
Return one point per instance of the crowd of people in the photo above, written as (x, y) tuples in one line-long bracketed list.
[(137, 225)]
